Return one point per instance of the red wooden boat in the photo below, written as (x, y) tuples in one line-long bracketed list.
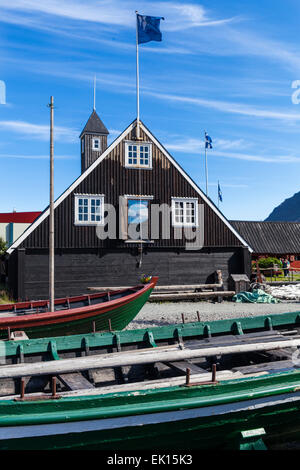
[(74, 315)]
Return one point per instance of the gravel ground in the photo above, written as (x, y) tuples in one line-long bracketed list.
[(165, 313)]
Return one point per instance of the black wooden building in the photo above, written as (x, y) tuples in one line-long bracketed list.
[(133, 176)]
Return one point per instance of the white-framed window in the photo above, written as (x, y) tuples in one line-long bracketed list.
[(96, 145), (138, 155), (82, 145), (184, 212), (89, 209)]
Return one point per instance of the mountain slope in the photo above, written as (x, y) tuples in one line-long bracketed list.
[(287, 211)]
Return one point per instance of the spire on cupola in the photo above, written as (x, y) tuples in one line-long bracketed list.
[(93, 138)]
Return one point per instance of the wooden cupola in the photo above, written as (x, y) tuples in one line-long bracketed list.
[(93, 140)]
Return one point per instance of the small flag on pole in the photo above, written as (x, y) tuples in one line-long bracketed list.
[(220, 197), (148, 28), (208, 142)]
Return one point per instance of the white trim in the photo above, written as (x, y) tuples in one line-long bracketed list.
[(89, 213), (114, 144), (184, 200), (203, 196), (136, 196), (138, 165), (97, 149), (71, 188)]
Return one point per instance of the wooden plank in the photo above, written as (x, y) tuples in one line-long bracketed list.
[(190, 295), (75, 381), (281, 353), (146, 385), (187, 287), (142, 356), (265, 366), (181, 366)]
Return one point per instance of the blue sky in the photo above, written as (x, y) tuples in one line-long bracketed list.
[(223, 67)]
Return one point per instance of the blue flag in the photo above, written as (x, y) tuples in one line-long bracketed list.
[(208, 142), (220, 193), (148, 28)]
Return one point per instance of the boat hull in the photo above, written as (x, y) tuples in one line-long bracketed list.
[(206, 417), (116, 316), (132, 416)]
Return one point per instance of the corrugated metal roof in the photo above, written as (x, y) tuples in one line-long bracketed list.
[(270, 237)]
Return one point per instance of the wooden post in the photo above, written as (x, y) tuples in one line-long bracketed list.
[(21, 274), (51, 216), (258, 272)]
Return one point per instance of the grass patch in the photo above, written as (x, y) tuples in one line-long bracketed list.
[(4, 296), (295, 277)]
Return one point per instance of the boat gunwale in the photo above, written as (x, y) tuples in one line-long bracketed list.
[(166, 332), (57, 410), (66, 315)]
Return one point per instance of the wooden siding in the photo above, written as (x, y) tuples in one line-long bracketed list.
[(89, 155), (111, 178), (76, 270)]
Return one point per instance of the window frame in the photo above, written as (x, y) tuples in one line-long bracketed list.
[(93, 144), (89, 221), (138, 166), (134, 197), (185, 200)]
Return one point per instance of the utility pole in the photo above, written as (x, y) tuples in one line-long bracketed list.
[(206, 170), (51, 216), (137, 82)]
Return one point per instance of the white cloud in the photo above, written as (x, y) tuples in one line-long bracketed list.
[(113, 12), (115, 17), (228, 107), (260, 158), (192, 145), (38, 157), (39, 131), (226, 185), (196, 146)]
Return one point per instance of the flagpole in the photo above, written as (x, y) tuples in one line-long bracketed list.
[(51, 216), (206, 171), (218, 194), (137, 83)]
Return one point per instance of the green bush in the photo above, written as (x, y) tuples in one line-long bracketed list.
[(265, 263), (3, 246)]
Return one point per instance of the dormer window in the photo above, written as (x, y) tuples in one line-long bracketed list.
[(138, 155), (96, 145)]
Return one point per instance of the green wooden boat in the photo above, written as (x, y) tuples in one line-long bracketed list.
[(223, 384), (80, 314)]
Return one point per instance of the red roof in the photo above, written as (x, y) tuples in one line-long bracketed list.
[(19, 217)]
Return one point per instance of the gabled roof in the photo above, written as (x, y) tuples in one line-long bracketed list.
[(94, 125), (18, 217), (270, 237), (101, 158)]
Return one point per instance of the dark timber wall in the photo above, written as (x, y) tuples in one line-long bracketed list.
[(111, 178), (83, 260), (76, 270)]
